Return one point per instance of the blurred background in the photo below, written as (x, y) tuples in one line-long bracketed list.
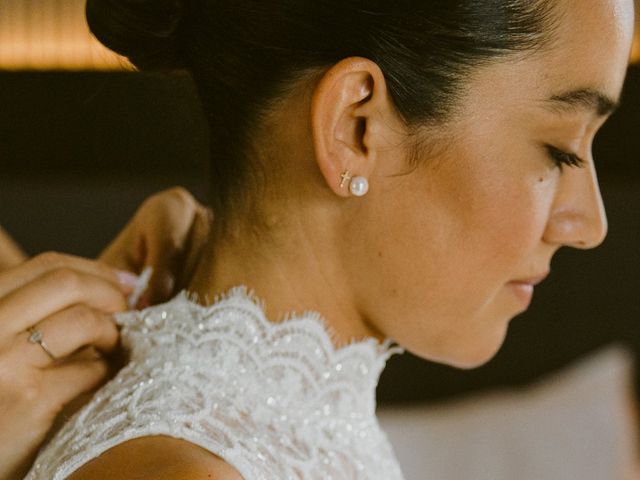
[(83, 140)]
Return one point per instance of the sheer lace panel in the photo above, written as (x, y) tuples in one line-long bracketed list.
[(275, 400)]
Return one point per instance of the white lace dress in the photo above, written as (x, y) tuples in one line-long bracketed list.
[(275, 401)]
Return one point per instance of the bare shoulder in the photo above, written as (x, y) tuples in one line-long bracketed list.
[(157, 457)]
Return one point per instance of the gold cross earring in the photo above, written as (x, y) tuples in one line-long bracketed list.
[(345, 177)]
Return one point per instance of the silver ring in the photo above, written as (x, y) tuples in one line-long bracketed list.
[(36, 337)]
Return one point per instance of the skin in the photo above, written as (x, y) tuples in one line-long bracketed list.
[(168, 232), (426, 258), (436, 247), (71, 301), (10, 253)]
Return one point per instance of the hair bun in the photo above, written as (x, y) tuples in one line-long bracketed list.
[(145, 31)]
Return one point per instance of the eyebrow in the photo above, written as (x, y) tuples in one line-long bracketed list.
[(583, 99)]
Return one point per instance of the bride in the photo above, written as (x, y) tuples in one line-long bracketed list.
[(398, 170)]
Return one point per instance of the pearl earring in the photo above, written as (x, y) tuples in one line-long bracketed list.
[(358, 186)]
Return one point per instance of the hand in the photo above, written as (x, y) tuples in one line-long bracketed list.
[(10, 253), (70, 301), (168, 232)]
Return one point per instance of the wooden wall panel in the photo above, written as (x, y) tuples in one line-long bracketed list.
[(53, 35), (50, 35)]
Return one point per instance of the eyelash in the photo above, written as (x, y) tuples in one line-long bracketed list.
[(562, 158)]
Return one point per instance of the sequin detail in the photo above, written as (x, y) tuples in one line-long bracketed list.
[(275, 400)]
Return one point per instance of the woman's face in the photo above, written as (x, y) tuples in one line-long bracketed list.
[(459, 242)]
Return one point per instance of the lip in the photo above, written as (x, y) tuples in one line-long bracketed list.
[(523, 289), (537, 280)]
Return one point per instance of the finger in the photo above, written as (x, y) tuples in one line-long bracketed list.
[(162, 282), (197, 243), (125, 252), (163, 217), (174, 265), (167, 247), (134, 299), (53, 292), (12, 254), (66, 382), (156, 237), (69, 330), (21, 275)]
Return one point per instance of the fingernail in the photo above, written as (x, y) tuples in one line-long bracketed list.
[(127, 279), (140, 286)]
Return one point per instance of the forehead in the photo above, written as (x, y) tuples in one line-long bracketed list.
[(589, 51), (591, 45)]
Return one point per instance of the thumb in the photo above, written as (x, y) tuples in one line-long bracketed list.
[(162, 282), (199, 237)]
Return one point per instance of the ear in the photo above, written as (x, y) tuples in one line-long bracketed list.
[(348, 112)]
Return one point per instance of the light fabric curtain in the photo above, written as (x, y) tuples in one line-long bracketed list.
[(50, 35), (578, 424)]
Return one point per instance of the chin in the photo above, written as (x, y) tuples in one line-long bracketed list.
[(475, 353), (471, 362), (487, 353)]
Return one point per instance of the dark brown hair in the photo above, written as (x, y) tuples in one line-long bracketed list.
[(242, 53)]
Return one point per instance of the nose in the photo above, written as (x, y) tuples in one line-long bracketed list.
[(578, 218)]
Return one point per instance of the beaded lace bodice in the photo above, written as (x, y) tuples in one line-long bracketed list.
[(275, 400)]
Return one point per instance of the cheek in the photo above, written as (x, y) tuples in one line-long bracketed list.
[(506, 227), (489, 223), (460, 227), (445, 253)]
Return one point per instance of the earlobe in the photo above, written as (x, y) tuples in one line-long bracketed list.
[(358, 186), (340, 121)]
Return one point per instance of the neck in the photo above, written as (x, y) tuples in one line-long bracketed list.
[(297, 272)]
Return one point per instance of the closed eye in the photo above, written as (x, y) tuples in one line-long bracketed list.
[(562, 158)]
